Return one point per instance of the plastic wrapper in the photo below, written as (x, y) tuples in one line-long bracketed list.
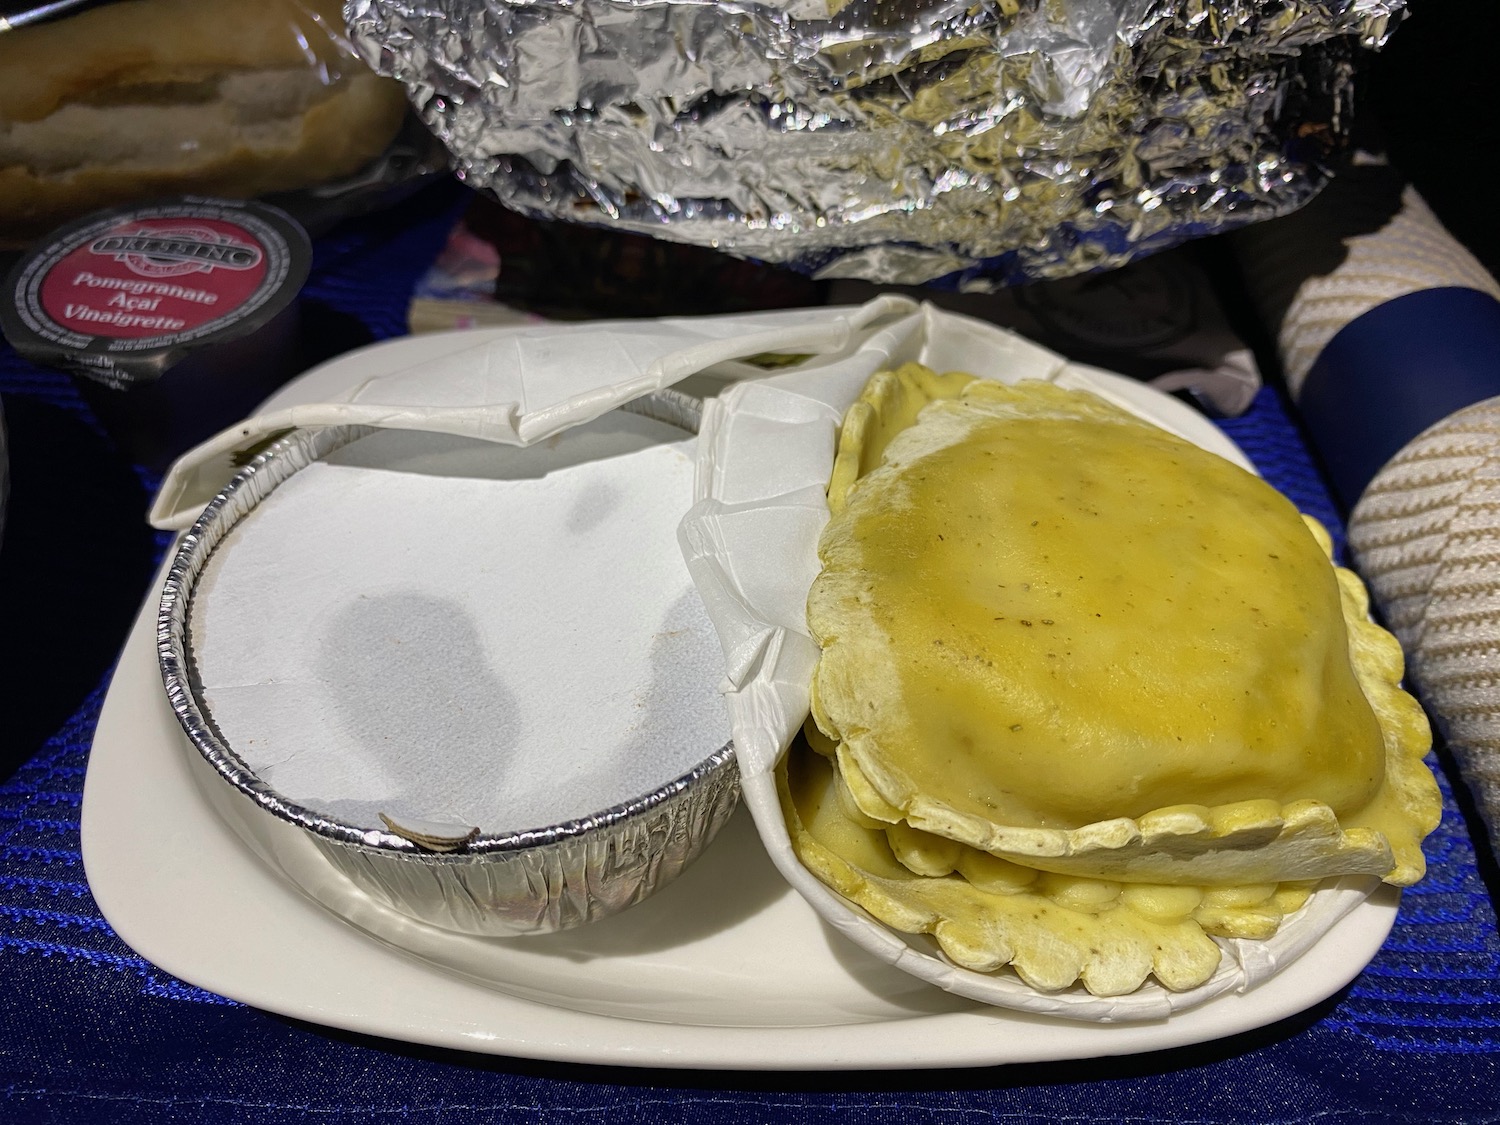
[(893, 140), (145, 98)]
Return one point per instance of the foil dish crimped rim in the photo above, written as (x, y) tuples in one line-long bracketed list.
[(251, 485)]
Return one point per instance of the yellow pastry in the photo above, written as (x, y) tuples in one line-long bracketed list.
[(988, 913), (1056, 636)]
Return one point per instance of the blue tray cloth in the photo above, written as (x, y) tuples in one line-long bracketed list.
[(90, 1032)]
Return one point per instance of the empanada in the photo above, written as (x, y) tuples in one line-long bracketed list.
[(988, 913), (1064, 636)]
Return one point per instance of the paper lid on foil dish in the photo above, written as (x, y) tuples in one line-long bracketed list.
[(475, 675)]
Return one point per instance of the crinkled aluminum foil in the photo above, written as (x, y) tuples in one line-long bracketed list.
[(981, 142)]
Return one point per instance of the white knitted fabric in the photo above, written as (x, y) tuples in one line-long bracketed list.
[(1411, 252), (1426, 536)]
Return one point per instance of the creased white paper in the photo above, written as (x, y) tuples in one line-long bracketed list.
[(524, 385)]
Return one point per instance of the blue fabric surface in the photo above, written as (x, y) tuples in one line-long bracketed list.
[(90, 1032)]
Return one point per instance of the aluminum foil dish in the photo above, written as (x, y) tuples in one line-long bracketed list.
[(902, 142), (268, 744)]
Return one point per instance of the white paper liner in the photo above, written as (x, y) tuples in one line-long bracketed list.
[(765, 453), (501, 653)]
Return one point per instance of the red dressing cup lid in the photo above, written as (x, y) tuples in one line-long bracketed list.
[(122, 295)]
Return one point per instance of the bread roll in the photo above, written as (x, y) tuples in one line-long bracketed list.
[(153, 97)]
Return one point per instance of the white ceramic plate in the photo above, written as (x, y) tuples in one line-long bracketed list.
[(726, 968)]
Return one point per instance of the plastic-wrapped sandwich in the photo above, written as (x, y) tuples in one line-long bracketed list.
[(1089, 696), (144, 98)]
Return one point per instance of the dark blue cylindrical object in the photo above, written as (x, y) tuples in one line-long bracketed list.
[(1394, 371)]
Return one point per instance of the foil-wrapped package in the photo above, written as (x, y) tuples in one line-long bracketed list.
[(973, 142)]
